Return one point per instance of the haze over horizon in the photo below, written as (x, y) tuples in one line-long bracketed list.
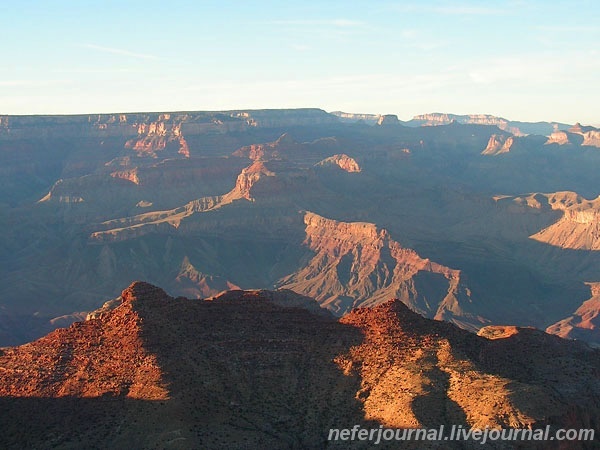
[(522, 60)]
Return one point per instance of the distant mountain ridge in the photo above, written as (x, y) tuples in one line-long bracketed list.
[(517, 128), (514, 127)]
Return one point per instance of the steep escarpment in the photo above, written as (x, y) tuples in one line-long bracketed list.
[(286, 148), (498, 144), (249, 369), (342, 161), (564, 138), (357, 117), (591, 135), (514, 127), (267, 182), (584, 323), (579, 226), (357, 264), (142, 125), (159, 136)]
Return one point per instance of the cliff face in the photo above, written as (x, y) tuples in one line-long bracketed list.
[(267, 181), (584, 323), (514, 127), (370, 119), (564, 138), (144, 125), (249, 369), (591, 138), (388, 119), (286, 148), (342, 161), (356, 264), (499, 144), (579, 226), (591, 135)]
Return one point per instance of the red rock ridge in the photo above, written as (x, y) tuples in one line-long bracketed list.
[(356, 264), (247, 368), (343, 161), (498, 144)]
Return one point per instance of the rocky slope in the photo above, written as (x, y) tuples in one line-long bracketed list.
[(259, 369), (286, 148), (342, 161), (584, 323), (356, 264), (140, 126), (579, 226), (591, 135), (370, 119)]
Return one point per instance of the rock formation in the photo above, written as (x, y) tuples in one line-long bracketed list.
[(342, 161), (584, 323), (564, 138), (388, 119), (498, 144), (249, 369), (357, 264), (514, 127), (579, 226)]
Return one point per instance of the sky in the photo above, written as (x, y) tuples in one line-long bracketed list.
[(519, 59)]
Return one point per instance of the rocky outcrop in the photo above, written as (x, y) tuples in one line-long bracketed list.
[(425, 373), (584, 323), (156, 221), (514, 127), (284, 145), (105, 308), (388, 119), (498, 331), (194, 284), (149, 132), (591, 138), (498, 144), (357, 264), (250, 369), (342, 161), (157, 136), (131, 175), (564, 138), (581, 129), (275, 118), (248, 178), (261, 180), (579, 226), (286, 148), (370, 119)]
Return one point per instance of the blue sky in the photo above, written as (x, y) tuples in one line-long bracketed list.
[(523, 60)]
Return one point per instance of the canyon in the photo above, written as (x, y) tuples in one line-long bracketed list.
[(462, 218), (323, 270)]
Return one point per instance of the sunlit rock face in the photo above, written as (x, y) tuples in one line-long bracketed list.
[(342, 161), (157, 368), (499, 144)]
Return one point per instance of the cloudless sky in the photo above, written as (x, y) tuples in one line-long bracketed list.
[(523, 60)]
